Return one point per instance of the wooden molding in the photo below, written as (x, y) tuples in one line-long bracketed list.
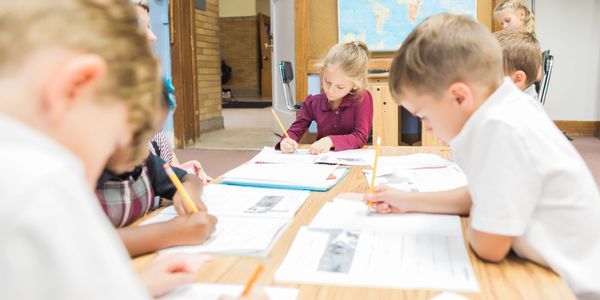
[(579, 128), (302, 43)]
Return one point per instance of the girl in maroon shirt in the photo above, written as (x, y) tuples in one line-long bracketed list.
[(344, 108)]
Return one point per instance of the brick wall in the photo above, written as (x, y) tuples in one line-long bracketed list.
[(239, 49), (208, 64)]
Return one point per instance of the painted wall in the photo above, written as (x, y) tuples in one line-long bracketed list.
[(262, 7), (237, 8), (571, 30)]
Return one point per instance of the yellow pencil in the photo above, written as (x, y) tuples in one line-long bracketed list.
[(372, 187), (252, 280), (280, 124), (180, 188)]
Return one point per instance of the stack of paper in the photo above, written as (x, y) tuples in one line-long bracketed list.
[(357, 157), (346, 246), (418, 173), (249, 219), (217, 291), (286, 176)]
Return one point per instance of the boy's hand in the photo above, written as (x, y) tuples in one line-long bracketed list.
[(386, 200), (193, 186), (288, 146), (195, 167), (321, 146), (192, 229), (168, 273)]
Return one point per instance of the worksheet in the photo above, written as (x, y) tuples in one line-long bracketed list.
[(240, 201), (233, 235), (350, 246), (421, 180), (200, 291), (354, 157)]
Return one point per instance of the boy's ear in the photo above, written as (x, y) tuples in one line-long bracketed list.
[(462, 95), (77, 80), (519, 78)]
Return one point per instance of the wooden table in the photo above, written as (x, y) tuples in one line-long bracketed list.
[(512, 279)]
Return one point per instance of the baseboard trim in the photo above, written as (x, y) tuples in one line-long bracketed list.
[(579, 128)]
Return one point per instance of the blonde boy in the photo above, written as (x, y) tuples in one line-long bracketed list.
[(77, 81), (529, 190), (522, 58)]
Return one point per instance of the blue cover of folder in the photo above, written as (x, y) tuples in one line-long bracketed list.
[(339, 174)]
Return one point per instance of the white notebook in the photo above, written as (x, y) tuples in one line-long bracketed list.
[(355, 157)]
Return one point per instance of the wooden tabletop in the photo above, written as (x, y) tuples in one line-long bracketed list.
[(512, 279)]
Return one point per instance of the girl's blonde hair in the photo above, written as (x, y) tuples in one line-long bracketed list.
[(106, 28), (353, 59), (517, 5)]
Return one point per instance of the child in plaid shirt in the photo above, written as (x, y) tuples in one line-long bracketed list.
[(127, 193)]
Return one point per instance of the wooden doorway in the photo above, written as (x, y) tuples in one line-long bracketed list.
[(183, 60), (265, 44)]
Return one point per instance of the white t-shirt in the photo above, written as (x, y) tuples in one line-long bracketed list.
[(527, 181), (531, 92), (55, 241)]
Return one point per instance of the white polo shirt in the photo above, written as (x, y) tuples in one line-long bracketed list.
[(55, 241), (527, 181)]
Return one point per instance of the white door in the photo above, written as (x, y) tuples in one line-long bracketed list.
[(282, 27)]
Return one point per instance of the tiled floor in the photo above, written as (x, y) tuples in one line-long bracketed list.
[(245, 129)]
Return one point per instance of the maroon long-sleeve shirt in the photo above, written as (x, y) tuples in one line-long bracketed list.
[(348, 126)]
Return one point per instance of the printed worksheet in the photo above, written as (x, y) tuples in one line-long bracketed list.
[(239, 201), (421, 180), (233, 235), (354, 157), (347, 245), (198, 291)]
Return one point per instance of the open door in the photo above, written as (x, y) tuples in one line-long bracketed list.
[(265, 43), (282, 28)]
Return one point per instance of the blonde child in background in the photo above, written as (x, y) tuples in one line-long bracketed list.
[(65, 109), (514, 14), (522, 58), (529, 190), (159, 144), (343, 110)]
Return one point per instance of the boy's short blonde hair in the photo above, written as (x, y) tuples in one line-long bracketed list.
[(521, 52), (444, 49), (107, 28), (353, 59)]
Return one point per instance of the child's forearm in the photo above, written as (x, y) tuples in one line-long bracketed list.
[(456, 202), (146, 238)]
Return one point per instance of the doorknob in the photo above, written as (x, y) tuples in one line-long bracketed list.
[(267, 45)]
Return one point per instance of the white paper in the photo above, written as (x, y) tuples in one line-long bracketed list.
[(281, 174), (229, 200), (270, 155), (390, 164), (199, 291), (349, 247), (355, 157), (422, 180), (448, 296), (233, 235)]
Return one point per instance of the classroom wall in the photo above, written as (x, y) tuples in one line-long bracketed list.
[(263, 7), (237, 8), (571, 30), (208, 65), (239, 49)]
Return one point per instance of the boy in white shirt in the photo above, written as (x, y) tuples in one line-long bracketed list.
[(77, 80), (522, 58), (529, 190)]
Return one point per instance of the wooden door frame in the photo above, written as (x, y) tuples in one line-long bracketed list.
[(183, 65)]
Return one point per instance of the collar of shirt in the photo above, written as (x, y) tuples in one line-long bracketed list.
[(346, 102), (500, 93)]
